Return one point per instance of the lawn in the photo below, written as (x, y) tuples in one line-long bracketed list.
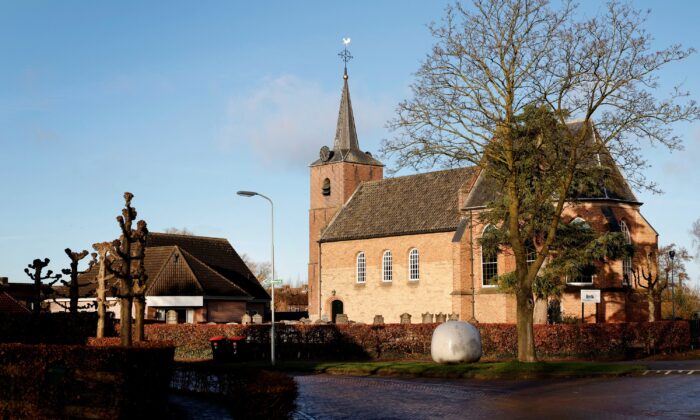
[(481, 370)]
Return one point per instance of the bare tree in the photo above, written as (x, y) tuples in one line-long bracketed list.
[(127, 265), (73, 285), (41, 290), (261, 270), (695, 233), (498, 60), (649, 278), (176, 231), (101, 291)]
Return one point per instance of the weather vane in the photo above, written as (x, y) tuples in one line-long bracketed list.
[(345, 56)]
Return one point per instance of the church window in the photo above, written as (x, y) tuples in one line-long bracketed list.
[(531, 252), (584, 277), (326, 187), (387, 267), (361, 267), (413, 265), (626, 261), (489, 264)]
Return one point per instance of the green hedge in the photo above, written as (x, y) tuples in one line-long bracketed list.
[(71, 381)]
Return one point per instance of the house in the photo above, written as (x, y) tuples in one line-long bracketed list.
[(191, 279), (9, 305), (22, 293), (389, 246)]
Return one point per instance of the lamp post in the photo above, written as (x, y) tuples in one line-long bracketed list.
[(672, 255), (272, 305)]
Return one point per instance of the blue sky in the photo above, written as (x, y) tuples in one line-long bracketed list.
[(185, 103)]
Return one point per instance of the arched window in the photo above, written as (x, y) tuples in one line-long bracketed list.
[(626, 261), (489, 264), (531, 252), (361, 267), (326, 187), (413, 265), (387, 267)]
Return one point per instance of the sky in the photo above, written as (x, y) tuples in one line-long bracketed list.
[(184, 103)]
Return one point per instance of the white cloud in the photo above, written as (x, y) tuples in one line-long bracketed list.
[(286, 120)]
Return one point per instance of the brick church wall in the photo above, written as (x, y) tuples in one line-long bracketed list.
[(361, 302)]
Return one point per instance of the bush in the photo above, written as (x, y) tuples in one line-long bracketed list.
[(395, 341), (70, 381), (49, 328)]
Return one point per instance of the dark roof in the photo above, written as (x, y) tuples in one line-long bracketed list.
[(218, 254), (346, 147), (184, 265), (179, 273), (405, 205), (613, 188), (8, 305)]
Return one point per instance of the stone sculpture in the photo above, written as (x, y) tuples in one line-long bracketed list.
[(456, 342)]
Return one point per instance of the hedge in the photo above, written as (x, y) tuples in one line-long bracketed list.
[(391, 341), (49, 328), (71, 381)]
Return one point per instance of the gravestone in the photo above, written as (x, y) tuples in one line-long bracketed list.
[(455, 342), (341, 319), (246, 319), (378, 320), (453, 317), (427, 318), (171, 317), (257, 319), (440, 317), (405, 318)]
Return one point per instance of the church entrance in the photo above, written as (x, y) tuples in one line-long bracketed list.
[(336, 308)]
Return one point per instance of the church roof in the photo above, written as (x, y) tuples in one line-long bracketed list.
[(346, 147), (613, 188), (422, 203)]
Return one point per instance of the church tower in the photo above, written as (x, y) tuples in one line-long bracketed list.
[(334, 177)]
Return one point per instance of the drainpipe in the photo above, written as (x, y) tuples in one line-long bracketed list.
[(471, 263), (319, 282)]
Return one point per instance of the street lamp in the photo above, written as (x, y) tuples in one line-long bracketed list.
[(272, 218), (672, 255)]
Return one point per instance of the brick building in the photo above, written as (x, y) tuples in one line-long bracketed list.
[(193, 279), (408, 244)]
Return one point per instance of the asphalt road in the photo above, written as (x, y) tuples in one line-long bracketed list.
[(672, 395)]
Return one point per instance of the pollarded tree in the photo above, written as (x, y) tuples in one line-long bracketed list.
[(41, 290), (495, 59), (649, 278), (102, 249), (127, 266), (73, 285)]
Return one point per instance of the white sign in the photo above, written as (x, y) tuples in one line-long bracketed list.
[(590, 296)]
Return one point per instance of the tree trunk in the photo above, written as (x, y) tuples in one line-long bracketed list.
[(101, 309), (652, 308), (540, 315), (125, 321), (140, 315), (526, 336)]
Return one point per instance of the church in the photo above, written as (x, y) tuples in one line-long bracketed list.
[(409, 245)]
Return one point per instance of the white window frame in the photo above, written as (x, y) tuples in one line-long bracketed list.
[(361, 268), (387, 267), (483, 278), (626, 261), (413, 264)]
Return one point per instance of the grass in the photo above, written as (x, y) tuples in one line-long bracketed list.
[(480, 370)]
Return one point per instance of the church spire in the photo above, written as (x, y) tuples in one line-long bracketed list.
[(345, 133)]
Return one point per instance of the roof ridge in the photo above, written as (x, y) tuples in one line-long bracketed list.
[(419, 174), (207, 267), (187, 236)]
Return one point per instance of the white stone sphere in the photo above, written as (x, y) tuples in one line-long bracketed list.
[(456, 342)]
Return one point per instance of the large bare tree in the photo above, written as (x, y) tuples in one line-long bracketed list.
[(497, 60)]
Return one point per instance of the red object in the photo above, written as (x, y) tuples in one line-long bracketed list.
[(237, 338), (218, 338)]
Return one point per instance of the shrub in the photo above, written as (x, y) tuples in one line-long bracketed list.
[(71, 381), (48, 328), (392, 341)]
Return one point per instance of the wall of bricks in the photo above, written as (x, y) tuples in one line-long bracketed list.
[(344, 179), (361, 302)]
